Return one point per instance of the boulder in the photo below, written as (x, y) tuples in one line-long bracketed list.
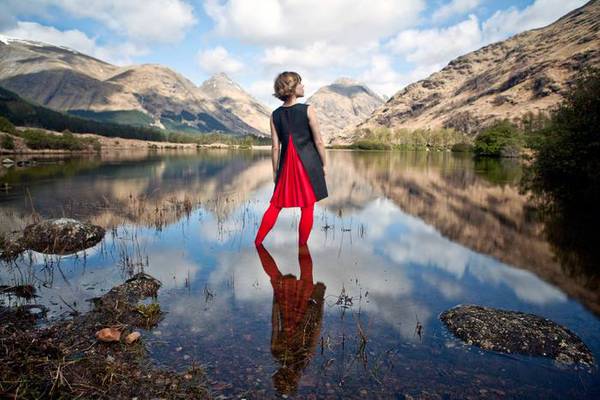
[(61, 236), (516, 332)]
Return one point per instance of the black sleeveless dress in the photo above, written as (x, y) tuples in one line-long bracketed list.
[(299, 180)]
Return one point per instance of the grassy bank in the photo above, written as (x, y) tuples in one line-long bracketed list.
[(23, 140), (383, 138)]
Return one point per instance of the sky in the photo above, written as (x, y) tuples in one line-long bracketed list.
[(385, 44)]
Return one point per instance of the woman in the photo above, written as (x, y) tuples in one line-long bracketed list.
[(300, 178)]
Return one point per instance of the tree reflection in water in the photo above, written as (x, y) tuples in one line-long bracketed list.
[(296, 318)]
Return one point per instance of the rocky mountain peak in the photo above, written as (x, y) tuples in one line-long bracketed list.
[(220, 83), (343, 103), (346, 81)]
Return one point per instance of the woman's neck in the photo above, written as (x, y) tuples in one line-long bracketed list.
[(291, 103)]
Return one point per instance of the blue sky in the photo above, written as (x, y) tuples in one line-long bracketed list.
[(384, 44)]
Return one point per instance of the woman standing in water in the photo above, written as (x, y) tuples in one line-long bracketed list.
[(300, 178)]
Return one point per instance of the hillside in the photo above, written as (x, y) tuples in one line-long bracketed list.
[(529, 72)]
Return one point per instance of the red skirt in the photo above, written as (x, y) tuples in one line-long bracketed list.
[(293, 186)]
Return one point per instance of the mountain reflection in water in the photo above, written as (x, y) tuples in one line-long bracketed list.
[(401, 237)]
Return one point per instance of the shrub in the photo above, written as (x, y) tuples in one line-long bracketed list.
[(462, 147), (8, 142), (366, 144), (38, 139), (564, 177), (6, 125), (501, 139), (567, 155)]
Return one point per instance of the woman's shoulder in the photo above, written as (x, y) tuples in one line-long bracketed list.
[(302, 106)]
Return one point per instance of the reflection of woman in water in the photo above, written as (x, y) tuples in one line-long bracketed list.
[(296, 319), (299, 174)]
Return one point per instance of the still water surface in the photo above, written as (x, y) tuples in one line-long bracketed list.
[(402, 237)]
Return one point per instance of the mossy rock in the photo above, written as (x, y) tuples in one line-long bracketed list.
[(61, 236), (516, 332)]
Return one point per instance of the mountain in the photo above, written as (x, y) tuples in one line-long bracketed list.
[(527, 72), (66, 80), (233, 98), (344, 103)]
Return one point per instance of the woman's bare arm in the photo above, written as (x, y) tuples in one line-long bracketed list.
[(316, 132), (274, 148)]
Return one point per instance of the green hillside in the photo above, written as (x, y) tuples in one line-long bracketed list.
[(125, 117), (24, 113)]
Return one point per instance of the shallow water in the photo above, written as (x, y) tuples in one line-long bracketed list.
[(402, 237)]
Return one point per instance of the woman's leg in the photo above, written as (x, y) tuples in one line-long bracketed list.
[(268, 220), (306, 224)]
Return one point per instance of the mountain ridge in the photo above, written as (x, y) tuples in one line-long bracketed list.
[(528, 72), (67, 80)]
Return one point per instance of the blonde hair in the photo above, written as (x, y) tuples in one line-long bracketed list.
[(285, 84)]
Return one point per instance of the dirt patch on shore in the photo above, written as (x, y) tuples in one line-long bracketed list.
[(66, 360)]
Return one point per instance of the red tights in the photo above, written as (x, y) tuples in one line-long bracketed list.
[(270, 217)]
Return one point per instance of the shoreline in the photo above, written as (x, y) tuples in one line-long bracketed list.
[(107, 145)]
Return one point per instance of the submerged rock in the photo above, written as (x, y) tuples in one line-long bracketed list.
[(515, 332), (11, 247), (24, 291), (121, 302), (61, 236)]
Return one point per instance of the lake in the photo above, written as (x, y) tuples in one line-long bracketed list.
[(402, 237)]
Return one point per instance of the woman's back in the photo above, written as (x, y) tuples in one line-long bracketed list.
[(293, 120)]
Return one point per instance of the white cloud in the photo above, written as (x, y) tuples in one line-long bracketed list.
[(298, 23), (454, 7), (434, 46), (218, 59), (317, 57), (120, 54), (505, 23), (262, 90), (381, 76), (141, 21)]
